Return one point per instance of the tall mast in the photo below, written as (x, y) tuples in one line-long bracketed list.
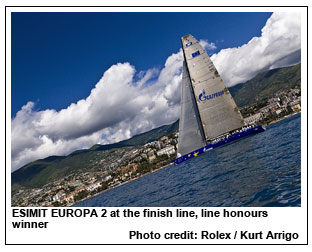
[(218, 113)]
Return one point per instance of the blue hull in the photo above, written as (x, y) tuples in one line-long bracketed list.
[(231, 138)]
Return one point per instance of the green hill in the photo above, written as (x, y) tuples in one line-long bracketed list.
[(265, 84), (143, 138), (40, 172)]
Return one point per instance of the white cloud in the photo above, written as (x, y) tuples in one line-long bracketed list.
[(208, 46), (123, 103), (116, 109), (278, 46)]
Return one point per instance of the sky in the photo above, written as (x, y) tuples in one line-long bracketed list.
[(80, 79)]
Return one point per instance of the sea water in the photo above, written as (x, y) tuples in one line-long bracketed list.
[(260, 170)]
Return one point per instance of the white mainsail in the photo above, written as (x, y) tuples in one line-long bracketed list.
[(214, 108)]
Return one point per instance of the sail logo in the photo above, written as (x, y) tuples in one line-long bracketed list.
[(195, 54), (188, 44), (203, 97)]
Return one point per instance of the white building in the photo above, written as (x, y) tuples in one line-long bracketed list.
[(107, 177), (168, 150), (93, 186), (253, 118)]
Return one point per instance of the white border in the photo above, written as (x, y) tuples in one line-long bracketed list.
[(290, 218)]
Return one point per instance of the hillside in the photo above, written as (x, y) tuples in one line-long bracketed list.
[(141, 139), (40, 172), (265, 84)]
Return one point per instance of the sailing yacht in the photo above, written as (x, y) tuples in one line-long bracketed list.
[(209, 116)]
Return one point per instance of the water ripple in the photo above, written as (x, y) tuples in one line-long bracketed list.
[(261, 170)]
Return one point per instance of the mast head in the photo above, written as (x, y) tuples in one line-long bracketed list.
[(187, 40), (186, 37)]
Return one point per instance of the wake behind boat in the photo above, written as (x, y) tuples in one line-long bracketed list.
[(209, 116)]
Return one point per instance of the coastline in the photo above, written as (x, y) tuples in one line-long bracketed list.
[(281, 119), (121, 184), (145, 174)]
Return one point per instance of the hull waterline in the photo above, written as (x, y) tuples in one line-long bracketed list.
[(221, 142)]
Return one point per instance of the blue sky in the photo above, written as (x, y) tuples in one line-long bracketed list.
[(80, 79), (57, 58)]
